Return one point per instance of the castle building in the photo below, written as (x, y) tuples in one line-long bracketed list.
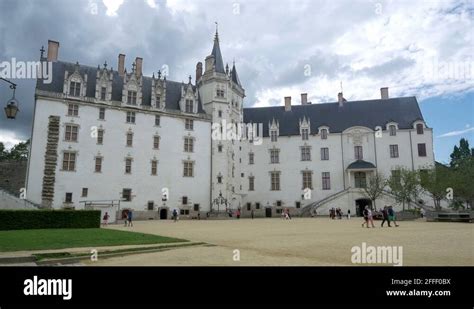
[(121, 140)]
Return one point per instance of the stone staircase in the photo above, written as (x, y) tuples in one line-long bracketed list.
[(307, 210)]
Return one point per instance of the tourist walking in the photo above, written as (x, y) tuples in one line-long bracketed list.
[(366, 212), (385, 216), (130, 216), (125, 216), (391, 215), (106, 218), (288, 214), (175, 215), (348, 214), (370, 217), (237, 213), (251, 213)]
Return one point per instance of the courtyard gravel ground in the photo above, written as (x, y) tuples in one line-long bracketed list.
[(300, 242)]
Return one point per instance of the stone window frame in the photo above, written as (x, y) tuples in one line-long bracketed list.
[(154, 167), (100, 165), (307, 183), (70, 139), (394, 153), (274, 156), (189, 144), (326, 180), (188, 165), (305, 152), (68, 169), (275, 181)]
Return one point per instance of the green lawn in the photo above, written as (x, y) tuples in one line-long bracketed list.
[(19, 240)]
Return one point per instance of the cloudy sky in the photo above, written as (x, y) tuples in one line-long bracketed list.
[(281, 48)]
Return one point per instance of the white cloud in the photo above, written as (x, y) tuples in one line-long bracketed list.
[(9, 139), (112, 6), (456, 133), (178, 6), (151, 3)]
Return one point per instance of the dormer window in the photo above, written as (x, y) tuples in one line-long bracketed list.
[(392, 130), (103, 93), (75, 89), (273, 135), (132, 97), (189, 106), (419, 128), (324, 133), (304, 134)]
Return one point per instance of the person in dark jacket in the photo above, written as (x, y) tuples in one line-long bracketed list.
[(385, 216), (391, 215)]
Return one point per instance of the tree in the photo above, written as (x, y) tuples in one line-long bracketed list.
[(463, 175), (374, 188), (19, 152), (462, 169), (435, 181), (460, 153), (3, 152), (405, 186)]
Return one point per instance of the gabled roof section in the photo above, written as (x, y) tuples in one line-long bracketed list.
[(173, 89), (360, 164), (368, 113)]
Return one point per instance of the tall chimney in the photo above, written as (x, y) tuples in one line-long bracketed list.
[(340, 99), (287, 104), (121, 64), (139, 66), (53, 49), (384, 93), (304, 98), (198, 71)]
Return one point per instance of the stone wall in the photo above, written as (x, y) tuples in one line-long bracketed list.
[(12, 176)]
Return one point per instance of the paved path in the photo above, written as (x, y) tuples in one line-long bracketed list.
[(301, 241)]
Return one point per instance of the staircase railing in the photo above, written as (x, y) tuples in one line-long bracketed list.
[(306, 210)]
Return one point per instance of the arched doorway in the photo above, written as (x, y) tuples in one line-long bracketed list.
[(163, 214), (360, 205)]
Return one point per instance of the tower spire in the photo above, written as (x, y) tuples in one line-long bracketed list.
[(216, 37), (216, 52)]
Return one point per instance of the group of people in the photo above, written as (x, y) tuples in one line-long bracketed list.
[(388, 215), (337, 212), (285, 214), (128, 218)]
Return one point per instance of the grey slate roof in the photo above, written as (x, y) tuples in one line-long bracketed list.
[(216, 52), (235, 76), (173, 89), (369, 113), (360, 164)]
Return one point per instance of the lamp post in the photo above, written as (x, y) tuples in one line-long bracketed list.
[(12, 105)]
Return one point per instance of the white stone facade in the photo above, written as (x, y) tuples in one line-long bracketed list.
[(140, 162)]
